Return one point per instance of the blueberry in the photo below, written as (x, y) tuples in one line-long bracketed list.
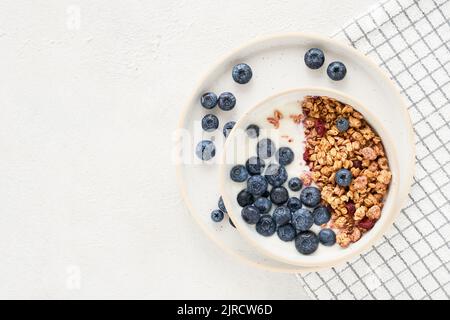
[(228, 127), (205, 150), (209, 100), (282, 215), (310, 196), (336, 71), (327, 237), (266, 225), (306, 242), (210, 122), (343, 177), (294, 204), (302, 219), (295, 184), (257, 185), (242, 73), (221, 205), (231, 222), (250, 214), (217, 215), (227, 101), (279, 195), (265, 148), (244, 198), (263, 205), (276, 175), (321, 215), (342, 124), (284, 156), (255, 165), (238, 173), (252, 131), (286, 232), (314, 58)]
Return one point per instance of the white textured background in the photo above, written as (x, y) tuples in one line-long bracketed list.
[(90, 92)]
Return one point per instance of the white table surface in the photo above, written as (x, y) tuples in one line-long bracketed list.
[(90, 94)]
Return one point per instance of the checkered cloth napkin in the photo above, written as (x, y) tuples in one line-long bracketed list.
[(411, 40)]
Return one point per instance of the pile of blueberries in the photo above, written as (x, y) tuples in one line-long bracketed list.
[(206, 150), (292, 217)]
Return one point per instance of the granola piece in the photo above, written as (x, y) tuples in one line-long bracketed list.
[(297, 118), (368, 153), (340, 222), (309, 123), (384, 177), (274, 122), (343, 239), (306, 178), (374, 213), (278, 115), (355, 235), (383, 163), (360, 183), (354, 122), (360, 213)]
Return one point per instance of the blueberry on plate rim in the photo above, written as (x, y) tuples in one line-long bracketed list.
[(217, 215), (286, 232), (310, 196), (284, 156), (263, 205), (343, 177), (250, 214), (227, 101), (279, 195), (302, 219), (295, 184), (266, 225), (327, 237), (208, 100), (282, 215), (306, 242), (238, 173), (228, 127), (336, 71), (205, 150), (257, 185), (245, 198), (242, 73), (314, 58), (210, 123)]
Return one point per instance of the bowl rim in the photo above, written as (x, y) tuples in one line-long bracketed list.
[(371, 236), (260, 40)]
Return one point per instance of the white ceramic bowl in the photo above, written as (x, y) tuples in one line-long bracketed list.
[(272, 246)]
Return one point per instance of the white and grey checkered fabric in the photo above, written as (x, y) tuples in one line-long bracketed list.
[(411, 40)]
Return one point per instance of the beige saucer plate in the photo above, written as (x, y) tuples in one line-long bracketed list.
[(277, 63)]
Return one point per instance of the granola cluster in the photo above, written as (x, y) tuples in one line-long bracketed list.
[(355, 209)]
